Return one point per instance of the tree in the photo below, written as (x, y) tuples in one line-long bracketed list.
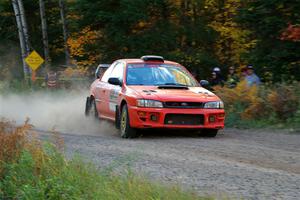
[(267, 20), (23, 34), (176, 30), (233, 41), (44, 32), (65, 31), (291, 33)]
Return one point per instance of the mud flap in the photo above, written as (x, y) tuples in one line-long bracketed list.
[(117, 117)]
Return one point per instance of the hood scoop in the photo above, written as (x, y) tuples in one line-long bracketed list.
[(175, 87)]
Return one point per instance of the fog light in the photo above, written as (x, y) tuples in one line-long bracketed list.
[(212, 118), (153, 118)]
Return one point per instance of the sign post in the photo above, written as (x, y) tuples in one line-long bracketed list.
[(34, 61)]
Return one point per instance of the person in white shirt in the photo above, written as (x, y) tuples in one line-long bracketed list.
[(251, 77)]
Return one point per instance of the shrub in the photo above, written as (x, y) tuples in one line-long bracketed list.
[(12, 142), (243, 101), (284, 101), (268, 104)]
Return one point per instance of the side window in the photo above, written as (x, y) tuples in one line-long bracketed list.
[(118, 71), (107, 73)]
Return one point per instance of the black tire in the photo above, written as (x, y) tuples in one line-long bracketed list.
[(209, 132), (125, 129), (90, 108), (117, 118), (87, 106)]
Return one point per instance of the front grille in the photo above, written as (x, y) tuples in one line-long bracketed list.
[(173, 104), (184, 119)]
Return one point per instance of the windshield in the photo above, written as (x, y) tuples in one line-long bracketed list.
[(158, 74)]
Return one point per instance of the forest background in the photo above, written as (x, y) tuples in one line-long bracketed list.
[(200, 34)]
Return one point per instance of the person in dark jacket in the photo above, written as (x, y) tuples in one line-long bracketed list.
[(215, 79)]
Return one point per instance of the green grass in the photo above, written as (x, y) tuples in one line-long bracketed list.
[(51, 176), (233, 120)]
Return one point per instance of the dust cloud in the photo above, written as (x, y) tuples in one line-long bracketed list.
[(61, 111)]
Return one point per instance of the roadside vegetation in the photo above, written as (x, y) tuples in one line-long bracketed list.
[(266, 106), (32, 169)]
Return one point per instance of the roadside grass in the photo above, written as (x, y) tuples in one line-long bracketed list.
[(31, 169), (233, 120)]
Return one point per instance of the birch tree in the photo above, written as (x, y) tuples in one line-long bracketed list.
[(65, 30), (24, 26), (44, 33), (21, 36)]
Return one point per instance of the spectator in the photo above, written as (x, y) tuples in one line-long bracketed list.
[(243, 73), (215, 79), (252, 78), (232, 78), (217, 70)]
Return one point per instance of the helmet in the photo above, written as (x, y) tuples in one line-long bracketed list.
[(217, 69)]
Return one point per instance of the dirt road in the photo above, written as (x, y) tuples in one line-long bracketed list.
[(237, 163)]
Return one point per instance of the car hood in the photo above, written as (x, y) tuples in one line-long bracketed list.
[(192, 94)]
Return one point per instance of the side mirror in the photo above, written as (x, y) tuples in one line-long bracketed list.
[(204, 83), (114, 81)]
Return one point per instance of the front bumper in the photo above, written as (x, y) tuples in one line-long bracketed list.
[(156, 118)]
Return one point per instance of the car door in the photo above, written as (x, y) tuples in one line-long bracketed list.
[(114, 90), (101, 92)]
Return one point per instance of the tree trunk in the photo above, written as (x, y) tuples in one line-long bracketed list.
[(44, 33), (65, 30), (24, 26), (21, 36)]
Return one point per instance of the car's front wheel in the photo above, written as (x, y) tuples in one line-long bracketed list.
[(126, 130), (209, 132)]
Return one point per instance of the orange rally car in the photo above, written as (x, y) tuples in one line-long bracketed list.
[(151, 92)]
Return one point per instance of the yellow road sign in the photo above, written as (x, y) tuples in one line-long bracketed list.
[(34, 60)]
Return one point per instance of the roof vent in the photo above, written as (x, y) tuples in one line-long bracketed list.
[(152, 58)]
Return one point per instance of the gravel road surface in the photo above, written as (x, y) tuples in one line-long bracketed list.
[(245, 164)]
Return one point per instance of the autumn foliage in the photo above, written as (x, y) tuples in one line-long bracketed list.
[(13, 139), (254, 103), (292, 33), (80, 47)]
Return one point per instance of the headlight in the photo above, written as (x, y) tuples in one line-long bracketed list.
[(214, 104), (149, 103)]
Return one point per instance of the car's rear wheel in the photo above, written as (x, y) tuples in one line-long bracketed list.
[(90, 107), (126, 130), (87, 106), (209, 132)]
